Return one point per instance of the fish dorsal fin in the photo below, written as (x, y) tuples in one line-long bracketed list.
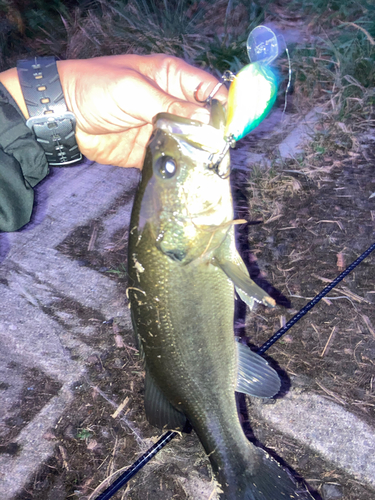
[(248, 291), (159, 410), (255, 376)]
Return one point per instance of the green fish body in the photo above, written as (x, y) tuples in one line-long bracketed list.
[(183, 272)]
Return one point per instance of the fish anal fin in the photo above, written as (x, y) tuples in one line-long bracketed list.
[(159, 410), (255, 376)]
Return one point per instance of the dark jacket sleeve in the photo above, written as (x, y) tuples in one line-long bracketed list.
[(22, 165)]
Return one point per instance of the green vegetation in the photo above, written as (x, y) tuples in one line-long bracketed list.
[(84, 434), (120, 272), (211, 34), (333, 60), (341, 63)]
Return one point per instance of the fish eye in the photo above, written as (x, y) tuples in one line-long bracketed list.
[(166, 167)]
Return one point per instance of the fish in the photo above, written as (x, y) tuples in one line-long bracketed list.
[(184, 274)]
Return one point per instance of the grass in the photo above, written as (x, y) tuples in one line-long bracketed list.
[(337, 65), (331, 11), (84, 434), (268, 190), (121, 271), (205, 33)]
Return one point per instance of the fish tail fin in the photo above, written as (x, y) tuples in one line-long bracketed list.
[(264, 479)]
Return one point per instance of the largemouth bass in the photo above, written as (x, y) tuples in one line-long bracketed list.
[(183, 272)]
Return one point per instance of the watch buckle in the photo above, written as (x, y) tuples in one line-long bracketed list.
[(50, 119)]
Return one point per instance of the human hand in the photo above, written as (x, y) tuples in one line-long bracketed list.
[(115, 98)]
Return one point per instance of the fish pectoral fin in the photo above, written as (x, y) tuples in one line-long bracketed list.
[(159, 410), (248, 291), (255, 376)]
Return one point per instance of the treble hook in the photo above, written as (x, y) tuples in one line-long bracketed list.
[(230, 142), (227, 76)]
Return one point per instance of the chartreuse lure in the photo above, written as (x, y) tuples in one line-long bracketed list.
[(251, 96), (253, 90)]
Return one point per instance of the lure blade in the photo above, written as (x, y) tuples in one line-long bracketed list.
[(251, 96), (262, 45)]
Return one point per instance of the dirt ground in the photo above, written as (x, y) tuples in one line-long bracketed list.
[(309, 235)]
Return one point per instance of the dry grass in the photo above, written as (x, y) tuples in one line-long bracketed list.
[(269, 190), (311, 234)]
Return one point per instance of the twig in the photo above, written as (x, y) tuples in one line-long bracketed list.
[(334, 222), (330, 339), (367, 321), (120, 408), (94, 235), (106, 481), (132, 427), (352, 295), (332, 394)]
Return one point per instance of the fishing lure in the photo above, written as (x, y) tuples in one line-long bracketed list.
[(253, 90), (251, 95)]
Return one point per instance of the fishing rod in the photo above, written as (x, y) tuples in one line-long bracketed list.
[(133, 469), (314, 301), (168, 436)]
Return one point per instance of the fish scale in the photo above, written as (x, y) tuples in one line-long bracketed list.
[(199, 391), (183, 271), (170, 309)]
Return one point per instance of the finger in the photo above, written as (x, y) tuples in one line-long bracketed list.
[(182, 77), (189, 110), (123, 149), (205, 86), (176, 77), (143, 99)]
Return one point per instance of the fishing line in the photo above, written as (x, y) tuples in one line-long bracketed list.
[(289, 80), (168, 436)]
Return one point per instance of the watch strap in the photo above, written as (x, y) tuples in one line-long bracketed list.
[(50, 120)]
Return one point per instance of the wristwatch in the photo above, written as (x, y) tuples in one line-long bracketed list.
[(50, 120)]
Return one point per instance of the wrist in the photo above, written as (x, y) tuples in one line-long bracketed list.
[(50, 119), (9, 79)]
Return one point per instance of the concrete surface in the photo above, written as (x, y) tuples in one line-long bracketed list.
[(292, 145), (326, 428), (34, 275)]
